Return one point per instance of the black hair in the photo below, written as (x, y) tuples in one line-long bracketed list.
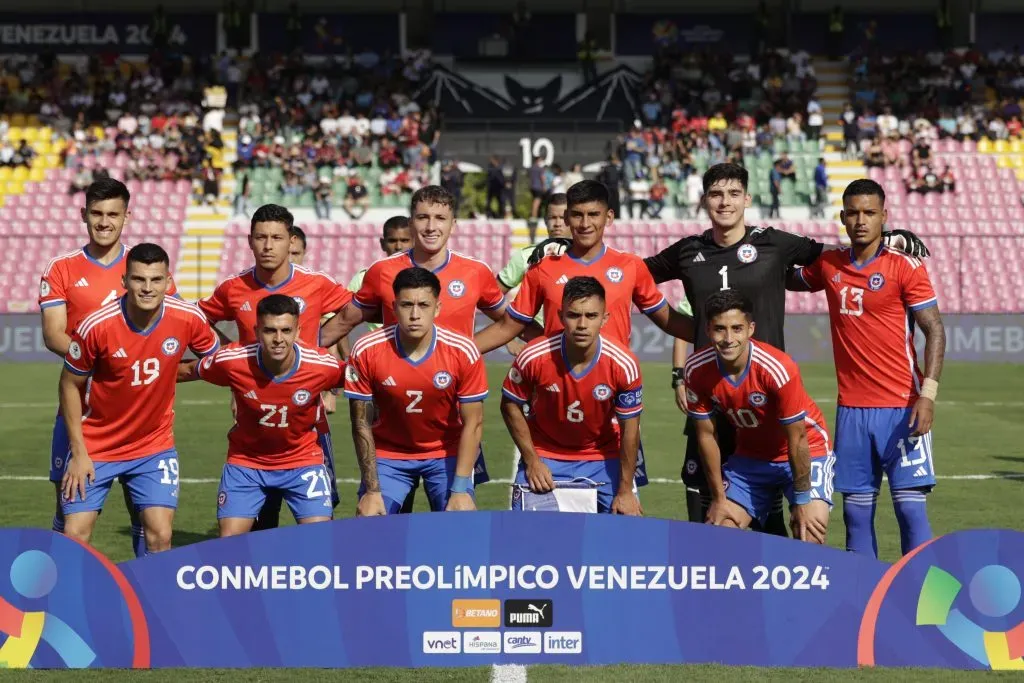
[(147, 254), (416, 278), (107, 188), (432, 194), (862, 187), (726, 171), (394, 223), (586, 191), (277, 304), (728, 300), (272, 213), (298, 233), (581, 287)]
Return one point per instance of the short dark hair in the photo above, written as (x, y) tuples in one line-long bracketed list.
[(586, 191), (147, 254), (107, 188), (416, 278), (557, 199), (864, 186), (395, 223), (298, 233), (581, 287), (725, 171), (727, 300), (272, 213), (432, 194), (277, 304)]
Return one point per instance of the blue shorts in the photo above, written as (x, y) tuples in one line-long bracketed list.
[(873, 441), (480, 475), (399, 477), (59, 448), (754, 484), (244, 490), (152, 481), (603, 472)]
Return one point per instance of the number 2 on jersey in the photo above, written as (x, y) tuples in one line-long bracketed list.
[(416, 395)]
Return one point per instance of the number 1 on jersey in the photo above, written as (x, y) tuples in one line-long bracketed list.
[(724, 272)]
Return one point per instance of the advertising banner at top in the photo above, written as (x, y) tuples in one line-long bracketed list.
[(468, 589), (126, 33)]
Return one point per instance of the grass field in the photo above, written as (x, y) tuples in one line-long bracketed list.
[(979, 457)]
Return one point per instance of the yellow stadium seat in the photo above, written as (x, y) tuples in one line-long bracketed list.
[(37, 174), (14, 132), (1017, 160), (1016, 146), (99, 132), (5, 174), (1001, 147), (985, 146), (18, 120), (50, 160), (20, 173), (1003, 162), (15, 187), (1020, 173), (32, 120), (45, 133), (1, 200), (42, 146), (30, 134)]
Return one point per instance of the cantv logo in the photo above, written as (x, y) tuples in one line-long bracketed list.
[(442, 642), (522, 642)]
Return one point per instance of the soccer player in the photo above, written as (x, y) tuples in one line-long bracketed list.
[(272, 448), (886, 406), (316, 294), (396, 237), (75, 285), (781, 437), (623, 275), (296, 245), (753, 261), (428, 384), (117, 398), (575, 382)]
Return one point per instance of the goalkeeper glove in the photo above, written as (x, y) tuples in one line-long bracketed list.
[(553, 246), (907, 242)]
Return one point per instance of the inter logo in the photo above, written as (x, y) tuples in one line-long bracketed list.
[(757, 399), (876, 282), (456, 288), (442, 379), (301, 397), (170, 346), (747, 253), (528, 613)]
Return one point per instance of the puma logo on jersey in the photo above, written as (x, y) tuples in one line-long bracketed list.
[(562, 280), (251, 394), (121, 353), (82, 283), (699, 258), (245, 307), (390, 382)]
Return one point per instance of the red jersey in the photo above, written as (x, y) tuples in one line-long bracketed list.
[(466, 285), (626, 282), (237, 297), (128, 411), (417, 402), (769, 394), (571, 415), (83, 284), (870, 311), (275, 426)]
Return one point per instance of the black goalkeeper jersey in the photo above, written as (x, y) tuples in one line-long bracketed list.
[(756, 266)]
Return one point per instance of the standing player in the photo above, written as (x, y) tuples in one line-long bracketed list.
[(886, 406), (272, 448), (117, 398), (575, 382), (428, 384), (781, 437), (75, 285), (297, 245), (316, 294), (753, 261), (396, 237)]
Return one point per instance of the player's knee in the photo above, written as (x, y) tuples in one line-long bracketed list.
[(78, 527), (312, 520), (158, 539)]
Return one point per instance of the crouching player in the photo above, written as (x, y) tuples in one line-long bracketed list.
[(576, 382), (273, 448), (781, 437), (428, 385)]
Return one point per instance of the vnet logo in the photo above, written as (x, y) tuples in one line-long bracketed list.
[(524, 643), (563, 642), (442, 642)]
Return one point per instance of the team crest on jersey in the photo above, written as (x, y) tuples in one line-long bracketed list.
[(75, 350), (602, 392), (170, 346), (614, 274), (442, 379), (876, 282), (301, 397), (747, 253), (691, 467), (221, 499), (456, 288), (350, 373), (757, 399), (690, 396), (44, 288), (208, 362), (302, 304), (514, 375)]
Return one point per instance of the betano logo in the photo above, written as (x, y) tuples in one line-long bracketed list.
[(994, 591), (476, 613)]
